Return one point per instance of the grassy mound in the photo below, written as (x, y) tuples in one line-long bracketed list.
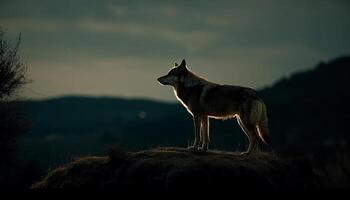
[(176, 168)]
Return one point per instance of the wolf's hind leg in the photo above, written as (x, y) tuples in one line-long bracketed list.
[(249, 130)]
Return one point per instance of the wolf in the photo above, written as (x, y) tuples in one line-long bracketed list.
[(204, 100)]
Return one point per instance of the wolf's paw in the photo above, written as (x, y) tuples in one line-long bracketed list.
[(246, 153), (193, 148), (203, 148)]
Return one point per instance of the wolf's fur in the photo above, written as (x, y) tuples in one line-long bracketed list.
[(204, 100)]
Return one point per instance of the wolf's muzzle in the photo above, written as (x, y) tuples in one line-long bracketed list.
[(162, 81)]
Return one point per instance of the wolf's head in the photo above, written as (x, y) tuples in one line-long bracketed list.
[(175, 75)]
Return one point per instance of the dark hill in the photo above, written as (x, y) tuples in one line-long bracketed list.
[(165, 169), (88, 115), (311, 107)]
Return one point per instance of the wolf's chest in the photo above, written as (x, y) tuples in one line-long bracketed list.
[(190, 96)]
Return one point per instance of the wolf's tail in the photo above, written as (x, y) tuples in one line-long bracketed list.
[(261, 121)]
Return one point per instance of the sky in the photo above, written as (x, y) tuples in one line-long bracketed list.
[(119, 48)]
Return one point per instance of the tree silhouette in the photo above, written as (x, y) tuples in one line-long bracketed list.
[(12, 70)]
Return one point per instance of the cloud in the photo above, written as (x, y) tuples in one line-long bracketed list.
[(160, 11), (39, 25), (192, 40)]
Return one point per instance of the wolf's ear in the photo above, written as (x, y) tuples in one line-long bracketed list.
[(176, 64), (183, 63)]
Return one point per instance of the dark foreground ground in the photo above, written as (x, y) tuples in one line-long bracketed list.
[(180, 169)]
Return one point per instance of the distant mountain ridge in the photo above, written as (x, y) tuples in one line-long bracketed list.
[(308, 108), (75, 113)]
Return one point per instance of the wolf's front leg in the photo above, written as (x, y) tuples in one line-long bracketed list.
[(205, 134), (197, 120)]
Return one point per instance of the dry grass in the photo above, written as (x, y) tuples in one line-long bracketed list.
[(164, 169), (170, 169)]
